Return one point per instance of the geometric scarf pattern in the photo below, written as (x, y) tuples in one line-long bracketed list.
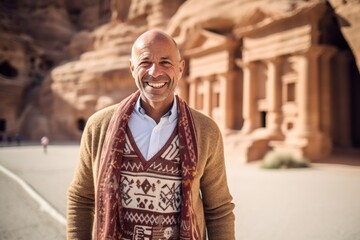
[(151, 191), (109, 211)]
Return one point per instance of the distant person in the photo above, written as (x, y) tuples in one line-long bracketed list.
[(18, 139), (44, 142), (9, 140), (151, 167)]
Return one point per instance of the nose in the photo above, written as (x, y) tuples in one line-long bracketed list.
[(154, 70)]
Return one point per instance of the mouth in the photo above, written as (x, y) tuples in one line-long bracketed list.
[(156, 85)]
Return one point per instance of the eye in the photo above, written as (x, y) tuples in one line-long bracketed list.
[(144, 63), (166, 63)]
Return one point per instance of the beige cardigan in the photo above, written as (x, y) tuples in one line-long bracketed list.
[(211, 198)]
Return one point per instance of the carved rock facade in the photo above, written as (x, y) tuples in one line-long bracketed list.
[(276, 76)]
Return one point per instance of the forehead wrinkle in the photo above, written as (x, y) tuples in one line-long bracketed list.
[(150, 56), (154, 37)]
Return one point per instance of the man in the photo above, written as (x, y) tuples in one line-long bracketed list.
[(151, 167), (44, 142)]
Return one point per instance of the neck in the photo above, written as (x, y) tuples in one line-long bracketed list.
[(156, 110)]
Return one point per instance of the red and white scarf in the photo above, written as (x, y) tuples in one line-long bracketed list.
[(109, 211)]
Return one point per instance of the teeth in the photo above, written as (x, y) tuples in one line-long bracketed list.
[(156, 85)]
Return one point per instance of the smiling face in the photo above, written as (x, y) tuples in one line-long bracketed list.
[(156, 67)]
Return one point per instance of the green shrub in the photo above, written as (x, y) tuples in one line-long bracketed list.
[(276, 160)]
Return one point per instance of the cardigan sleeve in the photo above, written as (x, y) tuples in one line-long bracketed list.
[(217, 200)]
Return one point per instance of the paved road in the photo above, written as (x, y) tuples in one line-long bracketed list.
[(320, 203), (45, 175), (22, 218), (50, 174)]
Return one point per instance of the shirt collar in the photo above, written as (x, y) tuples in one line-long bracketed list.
[(171, 115)]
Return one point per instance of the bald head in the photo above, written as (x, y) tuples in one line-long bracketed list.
[(151, 37)]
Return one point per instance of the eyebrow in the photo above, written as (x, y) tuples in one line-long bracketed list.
[(147, 57), (165, 58)]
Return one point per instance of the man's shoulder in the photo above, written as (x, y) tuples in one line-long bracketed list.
[(103, 115), (199, 115), (203, 121)]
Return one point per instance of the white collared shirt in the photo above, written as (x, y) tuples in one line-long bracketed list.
[(149, 136)]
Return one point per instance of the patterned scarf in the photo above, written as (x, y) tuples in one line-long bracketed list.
[(109, 222)]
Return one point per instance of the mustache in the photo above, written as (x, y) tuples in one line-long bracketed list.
[(159, 78)]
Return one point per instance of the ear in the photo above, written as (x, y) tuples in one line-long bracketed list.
[(132, 67), (181, 68)]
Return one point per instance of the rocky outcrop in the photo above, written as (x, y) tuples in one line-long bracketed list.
[(222, 16), (34, 38)]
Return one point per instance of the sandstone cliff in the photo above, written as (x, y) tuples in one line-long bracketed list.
[(63, 60)]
